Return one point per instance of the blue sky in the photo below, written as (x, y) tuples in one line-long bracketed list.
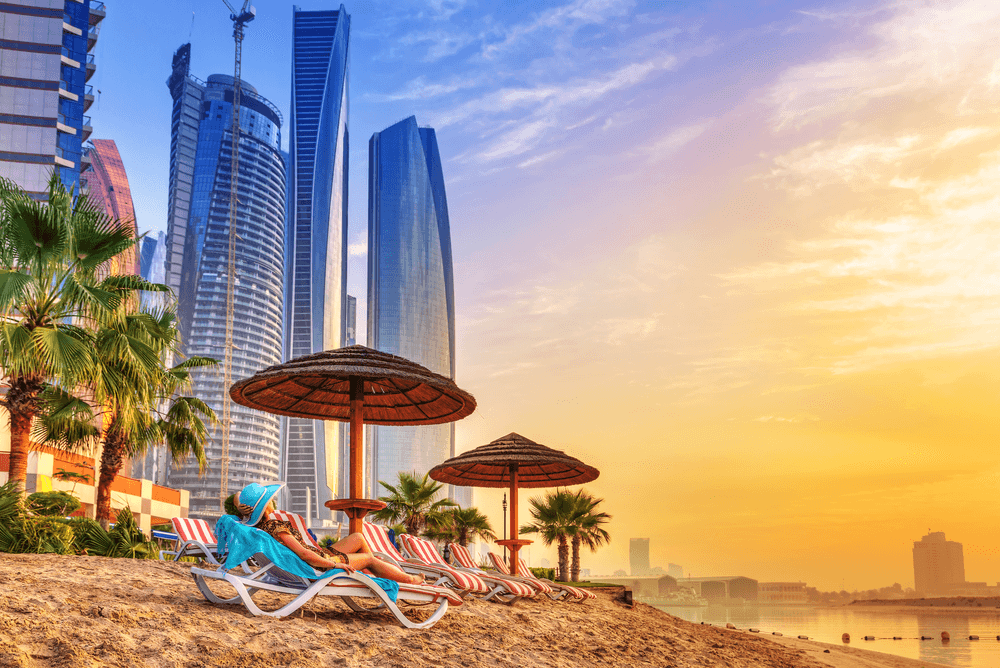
[(741, 257)]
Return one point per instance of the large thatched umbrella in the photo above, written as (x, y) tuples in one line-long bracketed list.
[(513, 461), (357, 385)]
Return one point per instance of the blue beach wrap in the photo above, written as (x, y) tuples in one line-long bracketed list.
[(238, 542)]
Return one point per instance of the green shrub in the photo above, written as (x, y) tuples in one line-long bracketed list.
[(544, 573), (123, 540), (53, 504)]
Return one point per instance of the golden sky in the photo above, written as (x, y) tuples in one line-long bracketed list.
[(773, 328)]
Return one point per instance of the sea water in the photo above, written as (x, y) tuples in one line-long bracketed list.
[(829, 624)]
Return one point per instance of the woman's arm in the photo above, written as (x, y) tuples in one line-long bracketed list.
[(308, 556)]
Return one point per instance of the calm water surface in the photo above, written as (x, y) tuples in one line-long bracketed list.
[(829, 624)]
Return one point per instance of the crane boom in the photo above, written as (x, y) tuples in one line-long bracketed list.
[(240, 19)]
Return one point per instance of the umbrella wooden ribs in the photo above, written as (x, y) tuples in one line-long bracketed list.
[(361, 386), (513, 461)]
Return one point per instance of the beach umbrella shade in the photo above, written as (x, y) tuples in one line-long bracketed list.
[(358, 385), (514, 461)]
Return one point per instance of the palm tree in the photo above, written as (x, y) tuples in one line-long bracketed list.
[(51, 256), (411, 501), (586, 528), (552, 517), (459, 525), (132, 419)]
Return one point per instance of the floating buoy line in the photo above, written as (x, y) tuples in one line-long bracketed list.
[(846, 638)]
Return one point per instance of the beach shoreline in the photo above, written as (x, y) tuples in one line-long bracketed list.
[(94, 612)]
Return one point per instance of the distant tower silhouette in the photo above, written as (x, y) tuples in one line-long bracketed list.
[(938, 564), (638, 556)]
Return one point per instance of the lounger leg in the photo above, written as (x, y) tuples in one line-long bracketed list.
[(498, 593), (203, 586), (403, 619)]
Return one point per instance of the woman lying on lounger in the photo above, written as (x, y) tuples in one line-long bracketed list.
[(255, 505)]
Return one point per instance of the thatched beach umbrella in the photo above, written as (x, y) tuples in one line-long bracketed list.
[(513, 461), (357, 385)]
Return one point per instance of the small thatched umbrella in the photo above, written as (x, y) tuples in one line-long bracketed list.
[(513, 461), (357, 385)]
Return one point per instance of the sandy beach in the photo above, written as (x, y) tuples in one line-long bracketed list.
[(93, 611)]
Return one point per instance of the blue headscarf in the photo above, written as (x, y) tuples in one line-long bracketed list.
[(238, 542)]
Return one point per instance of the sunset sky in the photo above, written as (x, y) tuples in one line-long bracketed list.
[(746, 262)]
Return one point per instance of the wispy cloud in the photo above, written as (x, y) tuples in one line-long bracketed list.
[(422, 89), (673, 141)]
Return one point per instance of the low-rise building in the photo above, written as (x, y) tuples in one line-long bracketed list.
[(781, 593)]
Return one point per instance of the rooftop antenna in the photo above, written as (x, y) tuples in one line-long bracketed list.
[(239, 18)]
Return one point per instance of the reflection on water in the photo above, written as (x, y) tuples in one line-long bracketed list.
[(828, 624)]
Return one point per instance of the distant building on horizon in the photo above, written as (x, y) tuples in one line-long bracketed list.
[(782, 593), (938, 565), (107, 188), (675, 570), (411, 292), (314, 453), (197, 266), (638, 556), (46, 52)]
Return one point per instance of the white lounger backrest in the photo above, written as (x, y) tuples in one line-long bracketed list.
[(188, 529)]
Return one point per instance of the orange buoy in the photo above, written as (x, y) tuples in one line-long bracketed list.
[(945, 636), (846, 637)]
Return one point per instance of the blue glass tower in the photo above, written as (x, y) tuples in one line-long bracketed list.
[(47, 60), (199, 206), (411, 293), (316, 243)]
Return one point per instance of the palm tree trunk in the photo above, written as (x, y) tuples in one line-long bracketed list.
[(112, 458), (575, 569), (563, 559), (22, 405)]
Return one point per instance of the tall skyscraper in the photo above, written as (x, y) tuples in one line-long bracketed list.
[(938, 564), (200, 187), (638, 556), (107, 187), (313, 451), (411, 294), (351, 335), (45, 64)]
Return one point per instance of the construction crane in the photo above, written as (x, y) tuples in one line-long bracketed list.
[(239, 18)]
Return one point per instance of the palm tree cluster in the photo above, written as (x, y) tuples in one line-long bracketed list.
[(571, 520), (413, 505), (84, 360)]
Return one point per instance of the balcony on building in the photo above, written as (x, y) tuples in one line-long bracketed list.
[(92, 35), (88, 98), (91, 66), (87, 129), (97, 12)]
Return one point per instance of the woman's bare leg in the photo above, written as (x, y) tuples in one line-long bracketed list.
[(353, 544), (382, 569)]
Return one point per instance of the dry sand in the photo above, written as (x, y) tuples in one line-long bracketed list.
[(92, 611)]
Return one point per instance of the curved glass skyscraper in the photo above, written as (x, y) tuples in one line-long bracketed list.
[(316, 241), (205, 112), (411, 293)]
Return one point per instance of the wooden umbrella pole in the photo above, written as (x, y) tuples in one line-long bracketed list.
[(514, 563), (356, 464)]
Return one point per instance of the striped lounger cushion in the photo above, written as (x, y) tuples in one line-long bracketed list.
[(426, 552), (192, 529), (298, 523), (575, 591)]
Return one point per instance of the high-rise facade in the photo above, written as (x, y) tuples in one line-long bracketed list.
[(45, 64), (938, 564), (638, 556), (411, 295), (106, 184), (314, 451), (200, 187)]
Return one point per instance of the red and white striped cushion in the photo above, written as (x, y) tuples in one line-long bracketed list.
[(188, 528), (378, 540), (499, 564), (427, 553), (576, 592), (462, 556), (298, 523), (440, 592)]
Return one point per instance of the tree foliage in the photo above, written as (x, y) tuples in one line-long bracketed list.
[(411, 501)]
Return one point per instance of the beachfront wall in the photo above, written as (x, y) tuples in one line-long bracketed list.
[(150, 504), (721, 589)]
